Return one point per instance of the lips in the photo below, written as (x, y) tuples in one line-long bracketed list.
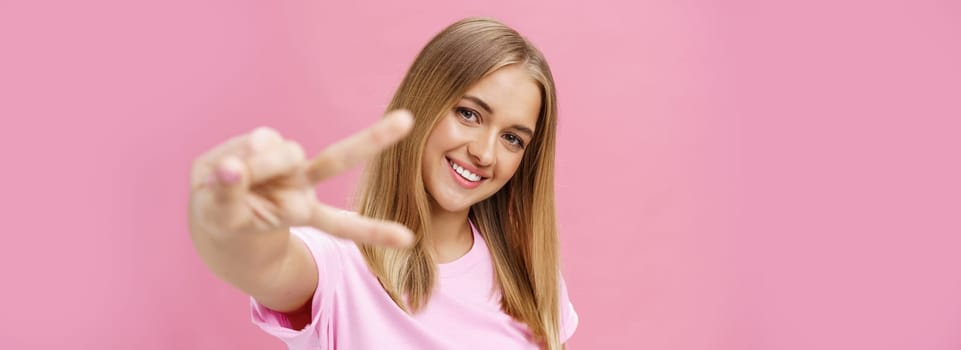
[(468, 167), (462, 176)]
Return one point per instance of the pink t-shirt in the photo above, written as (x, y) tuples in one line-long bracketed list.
[(350, 309)]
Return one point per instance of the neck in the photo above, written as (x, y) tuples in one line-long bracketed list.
[(450, 233)]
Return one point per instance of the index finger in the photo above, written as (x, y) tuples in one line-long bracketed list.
[(358, 228), (361, 146)]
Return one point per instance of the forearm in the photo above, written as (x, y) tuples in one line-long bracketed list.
[(248, 262)]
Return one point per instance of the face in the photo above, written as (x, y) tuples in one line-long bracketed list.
[(477, 146)]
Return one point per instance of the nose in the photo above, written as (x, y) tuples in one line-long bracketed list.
[(482, 150)]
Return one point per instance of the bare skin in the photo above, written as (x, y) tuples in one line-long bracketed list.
[(247, 192), (486, 132)]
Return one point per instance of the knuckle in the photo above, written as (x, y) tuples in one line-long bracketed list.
[(297, 151), (262, 137), (263, 130)]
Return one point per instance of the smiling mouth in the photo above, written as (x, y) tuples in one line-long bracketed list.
[(464, 173)]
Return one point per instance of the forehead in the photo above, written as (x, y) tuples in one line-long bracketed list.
[(512, 94)]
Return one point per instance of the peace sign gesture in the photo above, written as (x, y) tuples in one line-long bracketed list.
[(260, 182)]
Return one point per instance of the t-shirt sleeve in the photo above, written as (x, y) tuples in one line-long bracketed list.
[(327, 254), (568, 316)]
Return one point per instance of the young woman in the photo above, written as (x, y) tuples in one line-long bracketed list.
[(454, 241)]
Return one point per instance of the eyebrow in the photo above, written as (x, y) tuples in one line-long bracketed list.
[(486, 107)]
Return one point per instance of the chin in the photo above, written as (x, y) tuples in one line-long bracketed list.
[(448, 204)]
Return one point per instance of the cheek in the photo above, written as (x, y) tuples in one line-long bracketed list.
[(437, 138), (442, 135), (509, 166)]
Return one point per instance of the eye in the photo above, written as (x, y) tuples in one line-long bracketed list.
[(467, 114), (514, 140)]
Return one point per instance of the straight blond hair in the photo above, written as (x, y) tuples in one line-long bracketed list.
[(518, 221)]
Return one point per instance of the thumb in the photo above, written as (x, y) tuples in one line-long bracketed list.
[(231, 181)]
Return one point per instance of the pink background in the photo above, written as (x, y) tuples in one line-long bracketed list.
[(731, 175)]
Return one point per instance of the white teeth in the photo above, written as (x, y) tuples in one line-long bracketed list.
[(464, 173)]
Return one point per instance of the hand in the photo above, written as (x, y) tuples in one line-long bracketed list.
[(260, 182)]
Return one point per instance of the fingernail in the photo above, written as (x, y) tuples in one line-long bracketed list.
[(226, 175)]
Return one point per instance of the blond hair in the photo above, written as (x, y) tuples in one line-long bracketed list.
[(517, 222)]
